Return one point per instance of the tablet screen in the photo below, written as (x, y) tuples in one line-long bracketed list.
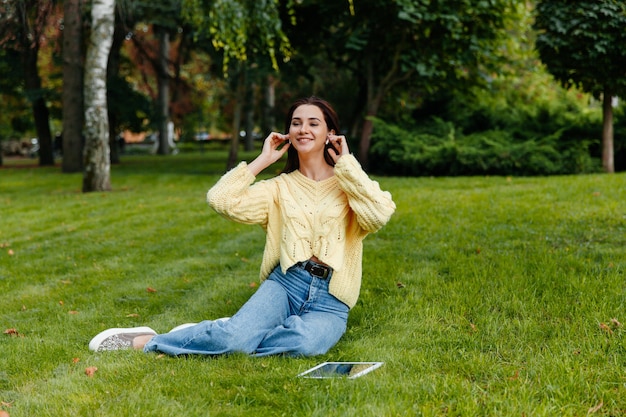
[(340, 369)]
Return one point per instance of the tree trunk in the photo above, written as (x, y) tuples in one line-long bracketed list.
[(32, 82), (374, 98), (249, 123), (375, 93), (234, 141), (366, 133), (97, 173), (269, 120), (73, 105), (608, 160), (163, 97), (32, 20), (113, 70)]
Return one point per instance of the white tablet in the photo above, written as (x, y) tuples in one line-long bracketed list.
[(348, 370)]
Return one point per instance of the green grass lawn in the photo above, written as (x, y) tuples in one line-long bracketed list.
[(483, 296)]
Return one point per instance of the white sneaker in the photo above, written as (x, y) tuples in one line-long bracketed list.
[(118, 339), (184, 326)]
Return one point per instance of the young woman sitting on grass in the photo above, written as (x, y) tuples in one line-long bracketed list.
[(316, 215)]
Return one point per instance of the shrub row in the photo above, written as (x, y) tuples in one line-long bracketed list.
[(438, 148)]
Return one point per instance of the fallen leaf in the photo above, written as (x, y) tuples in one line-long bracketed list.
[(72, 312), (253, 284), (473, 326), (132, 315), (75, 360), (150, 289), (61, 302), (90, 371), (10, 252), (616, 323), (11, 332), (6, 404), (515, 376), (606, 328), (595, 408)]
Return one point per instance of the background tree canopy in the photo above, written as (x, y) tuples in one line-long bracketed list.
[(454, 87), (582, 43)]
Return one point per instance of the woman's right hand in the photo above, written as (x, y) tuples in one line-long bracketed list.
[(274, 147)]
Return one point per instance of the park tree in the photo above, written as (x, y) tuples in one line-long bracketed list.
[(24, 26), (73, 71), (402, 44), (582, 44), (239, 30), (15, 116), (166, 23), (97, 164)]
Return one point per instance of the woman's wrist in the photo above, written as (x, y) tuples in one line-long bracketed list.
[(258, 165)]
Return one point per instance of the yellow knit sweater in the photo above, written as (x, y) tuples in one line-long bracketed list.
[(304, 218)]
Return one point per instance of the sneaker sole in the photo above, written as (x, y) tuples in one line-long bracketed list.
[(99, 338)]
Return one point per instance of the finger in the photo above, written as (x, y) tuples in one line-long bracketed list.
[(277, 139)]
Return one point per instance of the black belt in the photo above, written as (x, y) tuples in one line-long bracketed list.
[(318, 270)]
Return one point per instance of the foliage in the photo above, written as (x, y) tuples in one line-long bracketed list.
[(239, 28), (25, 28), (582, 43), (483, 296), (16, 118), (439, 149), (414, 44), (131, 108), (520, 109)]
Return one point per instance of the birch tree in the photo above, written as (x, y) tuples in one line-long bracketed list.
[(97, 164)]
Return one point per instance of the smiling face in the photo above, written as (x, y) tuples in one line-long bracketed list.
[(308, 129), (324, 112)]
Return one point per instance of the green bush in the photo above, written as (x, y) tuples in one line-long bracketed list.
[(439, 149)]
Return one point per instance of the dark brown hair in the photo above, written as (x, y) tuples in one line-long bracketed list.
[(332, 123)]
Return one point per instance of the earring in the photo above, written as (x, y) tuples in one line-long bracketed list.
[(327, 141)]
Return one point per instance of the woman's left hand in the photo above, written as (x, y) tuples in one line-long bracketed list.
[(339, 145)]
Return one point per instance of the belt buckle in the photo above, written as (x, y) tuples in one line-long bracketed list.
[(318, 270)]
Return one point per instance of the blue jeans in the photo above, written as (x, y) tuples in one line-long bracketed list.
[(290, 313)]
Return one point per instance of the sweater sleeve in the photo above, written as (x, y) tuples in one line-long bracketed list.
[(237, 197), (372, 206)]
